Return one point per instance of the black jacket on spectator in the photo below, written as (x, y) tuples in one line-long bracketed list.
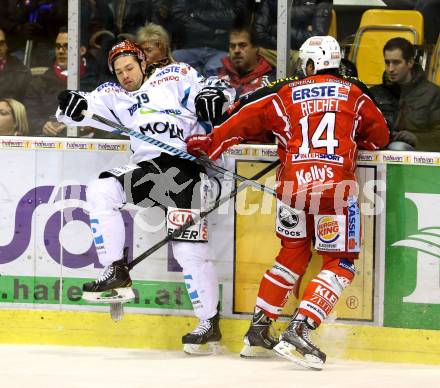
[(8, 15), (35, 19), (123, 18), (386, 96), (14, 79), (41, 100), (430, 10), (206, 23), (315, 13), (41, 97), (413, 107)]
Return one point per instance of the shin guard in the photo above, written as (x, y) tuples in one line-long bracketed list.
[(273, 293), (324, 291)]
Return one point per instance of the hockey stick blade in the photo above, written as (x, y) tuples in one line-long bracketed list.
[(188, 224), (175, 151)]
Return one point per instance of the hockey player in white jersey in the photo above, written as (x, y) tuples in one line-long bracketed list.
[(161, 105)]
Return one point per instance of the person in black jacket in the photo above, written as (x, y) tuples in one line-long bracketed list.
[(41, 97), (430, 10), (123, 17), (308, 18), (33, 20), (386, 96), (203, 28), (409, 102), (14, 76)]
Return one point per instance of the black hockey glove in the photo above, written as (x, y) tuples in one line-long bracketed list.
[(72, 104), (209, 104)]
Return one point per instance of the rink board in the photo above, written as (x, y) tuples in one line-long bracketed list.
[(356, 342), (46, 249)]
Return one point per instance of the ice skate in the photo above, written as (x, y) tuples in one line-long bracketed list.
[(296, 346), (204, 339), (113, 286), (258, 341)]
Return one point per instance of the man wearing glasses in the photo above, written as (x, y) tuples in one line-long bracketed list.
[(42, 93), (14, 76)]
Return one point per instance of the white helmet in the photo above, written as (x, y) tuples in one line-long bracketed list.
[(324, 51)]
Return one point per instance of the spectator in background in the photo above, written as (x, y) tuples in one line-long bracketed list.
[(124, 16), (411, 103), (348, 68), (203, 26), (430, 10), (155, 43), (13, 119), (308, 18), (33, 20), (14, 76), (387, 97), (244, 68), (41, 97), (114, 21)]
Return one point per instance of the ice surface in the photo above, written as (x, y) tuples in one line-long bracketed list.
[(59, 366)]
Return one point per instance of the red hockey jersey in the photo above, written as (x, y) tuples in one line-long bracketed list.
[(319, 121)]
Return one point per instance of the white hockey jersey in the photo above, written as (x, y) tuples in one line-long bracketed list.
[(162, 108)]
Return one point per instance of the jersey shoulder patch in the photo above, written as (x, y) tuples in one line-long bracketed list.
[(175, 68), (359, 84), (271, 88), (107, 86), (279, 83)]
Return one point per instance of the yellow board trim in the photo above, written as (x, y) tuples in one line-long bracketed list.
[(164, 332)]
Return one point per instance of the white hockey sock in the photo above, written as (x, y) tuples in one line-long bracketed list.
[(108, 234), (200, 276), (104, 197)]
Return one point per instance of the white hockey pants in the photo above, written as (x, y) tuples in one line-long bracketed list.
[(105, 197)]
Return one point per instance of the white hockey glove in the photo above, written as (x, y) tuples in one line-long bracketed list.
[(209, 104), (71, 104)]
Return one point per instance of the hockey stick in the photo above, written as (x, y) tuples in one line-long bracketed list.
[(196, 219), (176, 151)]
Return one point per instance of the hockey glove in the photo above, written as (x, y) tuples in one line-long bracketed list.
[(209, 104), (71, 103), (198, 145)]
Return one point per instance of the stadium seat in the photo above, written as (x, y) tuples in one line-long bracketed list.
[(375, 29), (333, 31), (434, 67), (381, 17)]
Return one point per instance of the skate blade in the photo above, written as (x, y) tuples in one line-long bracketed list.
[(289, 352), (208, 349), (118, 295), (117, 311), (249, 351)]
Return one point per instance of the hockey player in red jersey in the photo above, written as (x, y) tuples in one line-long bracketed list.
[(320, 123)]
